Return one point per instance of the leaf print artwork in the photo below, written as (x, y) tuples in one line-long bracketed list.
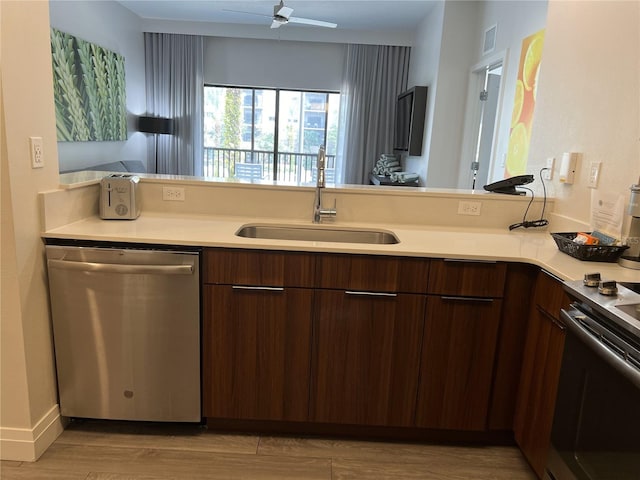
[(89, 90)]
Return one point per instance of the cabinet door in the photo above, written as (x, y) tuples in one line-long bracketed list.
[(366, 351), (256, 351), (549, 294), (458, 352), (519, 284), (538, 388)]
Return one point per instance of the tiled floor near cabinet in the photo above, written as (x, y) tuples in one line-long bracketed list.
[(119, 451)]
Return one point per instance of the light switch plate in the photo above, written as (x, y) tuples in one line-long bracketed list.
[(594, 174), (548, 174)]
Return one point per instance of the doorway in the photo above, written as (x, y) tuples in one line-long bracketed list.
[(486, 129), (481, 124)]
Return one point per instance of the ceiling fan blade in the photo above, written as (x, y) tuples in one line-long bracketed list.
[(308, 21), (282, 11), (277, 23), (247, 13)]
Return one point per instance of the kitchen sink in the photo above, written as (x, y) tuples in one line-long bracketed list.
[(317, 234)]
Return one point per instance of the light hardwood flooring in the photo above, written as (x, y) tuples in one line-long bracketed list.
[(119, 451)]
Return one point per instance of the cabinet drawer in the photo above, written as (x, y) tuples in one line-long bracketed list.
[(467, 278), (373, 273), (262, 268)]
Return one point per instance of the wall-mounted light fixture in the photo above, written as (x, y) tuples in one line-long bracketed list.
[(157, 126)]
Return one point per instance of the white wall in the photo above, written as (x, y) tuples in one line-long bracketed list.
[(589, 99), (423, 70), (271, 63), (460, 41), (451, 27), (111, 26), (459, 35), (515, 21), (29, 418)]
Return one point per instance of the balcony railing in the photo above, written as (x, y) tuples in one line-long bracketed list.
[(292, 167)]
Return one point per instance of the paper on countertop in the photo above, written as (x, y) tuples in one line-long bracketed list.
[(607, 213)]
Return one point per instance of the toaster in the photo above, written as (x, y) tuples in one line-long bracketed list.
[(118, 197)]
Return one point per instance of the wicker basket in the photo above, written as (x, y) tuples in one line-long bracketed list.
[(589, 253)]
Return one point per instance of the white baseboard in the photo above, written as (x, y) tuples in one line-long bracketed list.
[(26, 445)]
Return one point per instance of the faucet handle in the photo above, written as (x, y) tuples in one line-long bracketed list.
[(330, 212)]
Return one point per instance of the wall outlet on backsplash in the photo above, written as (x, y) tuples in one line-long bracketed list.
[(469, 208), (173, 194)]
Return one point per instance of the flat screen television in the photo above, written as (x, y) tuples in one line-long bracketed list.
[(411, 107)]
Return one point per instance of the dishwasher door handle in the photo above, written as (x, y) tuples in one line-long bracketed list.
[(122, 268)]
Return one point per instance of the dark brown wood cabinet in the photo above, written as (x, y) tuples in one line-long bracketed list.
[(516, 305), (366, 350), (381, 341), (467, 278), (540, 372), (257, 311), (256, 360), (458, 351), (373, 273), (259, 268), (459, 344), (366, 339)]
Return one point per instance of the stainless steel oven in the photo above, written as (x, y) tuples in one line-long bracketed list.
[(596, 428)]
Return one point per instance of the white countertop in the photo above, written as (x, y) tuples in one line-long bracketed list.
[(528, 246)]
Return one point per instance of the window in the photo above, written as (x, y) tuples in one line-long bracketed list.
[(281, 130)]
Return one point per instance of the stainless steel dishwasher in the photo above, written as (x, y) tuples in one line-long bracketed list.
[(126, 327)]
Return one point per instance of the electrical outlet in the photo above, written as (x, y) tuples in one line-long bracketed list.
[(173, 194), (548, 174), (469, 208), (37, 157), (594, 174)]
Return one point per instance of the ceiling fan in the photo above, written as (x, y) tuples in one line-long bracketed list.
[(282, 16)]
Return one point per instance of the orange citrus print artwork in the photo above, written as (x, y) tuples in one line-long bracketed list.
[(524, 104)]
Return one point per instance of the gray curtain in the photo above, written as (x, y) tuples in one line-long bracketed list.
[(175, 89), (374, 75)]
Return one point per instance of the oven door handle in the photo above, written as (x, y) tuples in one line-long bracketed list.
[(600, 349)]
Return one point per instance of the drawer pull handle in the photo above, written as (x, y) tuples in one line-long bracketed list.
[(370, 294), (269, 289), (466, 260), (468, 299)]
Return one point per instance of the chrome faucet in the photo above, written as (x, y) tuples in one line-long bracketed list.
[(318, 211)]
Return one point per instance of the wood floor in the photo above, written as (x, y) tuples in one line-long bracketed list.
[(119, 451)]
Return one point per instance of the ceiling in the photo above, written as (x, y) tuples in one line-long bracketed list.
[(391, 15)]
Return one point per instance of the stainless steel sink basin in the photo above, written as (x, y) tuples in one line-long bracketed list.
[(317, 234)]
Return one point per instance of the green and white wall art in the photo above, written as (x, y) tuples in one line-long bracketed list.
[(89, 90)]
